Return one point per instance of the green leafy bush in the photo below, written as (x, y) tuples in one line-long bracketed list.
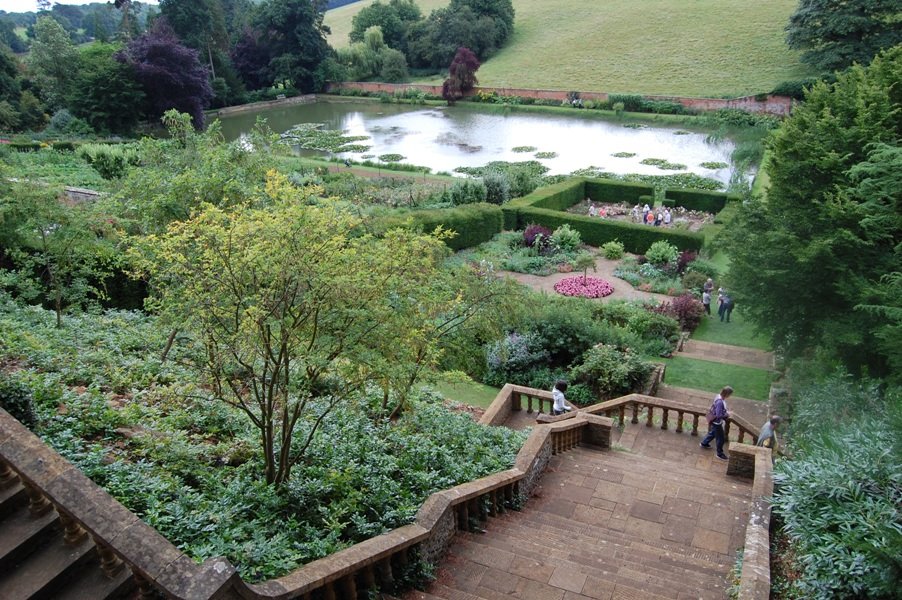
[(497, 187), (612, 250), (610, 372), (662, 253), (473, 224), (15, 398), (839, 498), (467, 191), (565, 239), (111, 161)]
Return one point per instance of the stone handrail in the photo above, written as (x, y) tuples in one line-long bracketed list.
[(755, 463), (510, 399), (122, 539)]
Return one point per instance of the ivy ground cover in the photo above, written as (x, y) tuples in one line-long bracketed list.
[(187, 464)]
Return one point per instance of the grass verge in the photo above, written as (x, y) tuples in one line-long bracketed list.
[(747, 382), (467, 392), (740, 331)]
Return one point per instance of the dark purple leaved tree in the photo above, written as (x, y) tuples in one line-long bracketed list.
[(461, 75), (171, 75)]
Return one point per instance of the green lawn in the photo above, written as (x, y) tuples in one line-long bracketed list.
[(747, 382), (738, 332), (472, 393), (702, 48)]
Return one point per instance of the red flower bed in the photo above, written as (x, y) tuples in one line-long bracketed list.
[(590, 287)]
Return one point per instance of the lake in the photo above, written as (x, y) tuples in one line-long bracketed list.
[(446, 137)]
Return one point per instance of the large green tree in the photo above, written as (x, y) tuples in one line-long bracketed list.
[(105, 92), (829, 230), (394, 18), (53, 61), (299, 308), (835, 33), (295, 40)]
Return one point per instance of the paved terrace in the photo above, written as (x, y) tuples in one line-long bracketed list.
[(654, 517)]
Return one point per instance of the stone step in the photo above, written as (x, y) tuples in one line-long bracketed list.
[(23, 533), (39, 575), (91, 583), (11, 497)]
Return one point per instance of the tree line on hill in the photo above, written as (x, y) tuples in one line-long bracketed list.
[(105, 67)]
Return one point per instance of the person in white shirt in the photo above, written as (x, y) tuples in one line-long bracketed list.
[(560, 402)]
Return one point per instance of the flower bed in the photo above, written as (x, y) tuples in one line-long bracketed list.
[(588, 287)]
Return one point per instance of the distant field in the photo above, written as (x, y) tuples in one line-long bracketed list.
[(692, 48)]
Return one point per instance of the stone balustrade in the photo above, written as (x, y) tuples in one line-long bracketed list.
[(124, 541), (755, 463)]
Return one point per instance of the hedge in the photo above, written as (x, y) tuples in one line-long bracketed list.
[(473, 223), (712, 202), (635, 238), (546, 206), (601, 190)]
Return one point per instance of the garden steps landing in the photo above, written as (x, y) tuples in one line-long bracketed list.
[(731, 355), (655, 517)]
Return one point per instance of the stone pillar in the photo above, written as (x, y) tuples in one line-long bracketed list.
[(597, 430)]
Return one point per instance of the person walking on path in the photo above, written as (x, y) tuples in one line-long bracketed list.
[(560, 402), (768, 436), (726, 307), (717, 421), (706, 302), (709, 285)]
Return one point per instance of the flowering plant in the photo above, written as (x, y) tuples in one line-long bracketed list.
[(586, 287)]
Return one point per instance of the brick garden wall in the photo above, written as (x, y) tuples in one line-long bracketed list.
[(774, 105)]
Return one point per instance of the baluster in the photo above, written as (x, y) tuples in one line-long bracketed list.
[(463, 517), (329, 592), (401, 560), (109, 562), (741, 435), (695, 425), (477, 507), (493, 503), (384, 572), (679, 428), (622, 413), (368, 575), (516, 401), (726, 430), (37, 503), (541, 402), (7, 475), (348, 587), (651, 410), (529, 403), (665, 412), (635, 413), (73, 533), (145, 589)]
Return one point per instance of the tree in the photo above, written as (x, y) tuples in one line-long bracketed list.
[(833, 34), (106, 93), (829, 229), (294, 305), (434, 41), (394, 66), (461, 75), (293, 33), (53, 61), (394, 18), (501, 12), (62, 253), (250, 58), (170, 74)]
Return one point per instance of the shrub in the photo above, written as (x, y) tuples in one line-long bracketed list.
[(111, 161), (712, 202), (15, 398), (497, 187), (654, 326), (566, 330), (536, 236), (694, 281), (65, 123), (612, 250), (685, 258), (511, 358), (565, 239), (661, 253), (609, 371), (473, 224), (706, 268), (467, 191), (686, 309)]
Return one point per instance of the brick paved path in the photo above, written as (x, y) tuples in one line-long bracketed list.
[(655, 518)]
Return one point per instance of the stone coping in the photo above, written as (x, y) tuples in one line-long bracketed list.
[(755, 462), (150, 555)]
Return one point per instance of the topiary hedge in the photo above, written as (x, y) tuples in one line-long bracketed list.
[(546, 206), (712, 202), (473, 223)]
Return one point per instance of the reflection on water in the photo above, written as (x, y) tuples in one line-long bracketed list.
[(444, 138)]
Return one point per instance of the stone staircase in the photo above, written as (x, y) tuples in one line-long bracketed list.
[(636, 523), (37, 561)]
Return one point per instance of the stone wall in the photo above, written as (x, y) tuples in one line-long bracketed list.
[(773, 105)]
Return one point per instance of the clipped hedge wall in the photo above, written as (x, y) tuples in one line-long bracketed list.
[(474, 223), (602, 190), (546, 206), (635, 238), (712, 202)]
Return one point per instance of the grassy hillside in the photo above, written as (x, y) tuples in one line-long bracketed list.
[(693, 48)]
